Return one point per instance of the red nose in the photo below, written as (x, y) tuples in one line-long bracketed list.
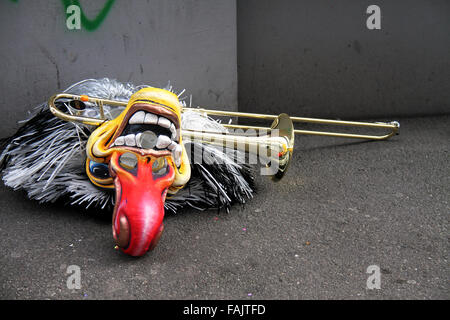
[(139, 210)]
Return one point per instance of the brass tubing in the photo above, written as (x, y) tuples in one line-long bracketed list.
[(86, 120), (242, 143), (319, 133), (394, 126)]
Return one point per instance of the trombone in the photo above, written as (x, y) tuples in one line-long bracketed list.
[(280, 147)]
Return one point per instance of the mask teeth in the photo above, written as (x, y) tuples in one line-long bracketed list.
[(176, 154), (162, 142), (138, 140)]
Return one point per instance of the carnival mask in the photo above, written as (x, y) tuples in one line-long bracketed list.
[(141, 155)]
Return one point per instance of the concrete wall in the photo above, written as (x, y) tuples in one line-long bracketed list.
[(312, 58), (191, 43), (317, 58)]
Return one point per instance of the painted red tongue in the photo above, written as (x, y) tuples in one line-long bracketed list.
[(139, 210)]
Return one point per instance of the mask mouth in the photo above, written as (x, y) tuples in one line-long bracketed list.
[(150, 129)]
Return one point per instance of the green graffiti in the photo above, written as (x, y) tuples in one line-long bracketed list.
[(88, 24)]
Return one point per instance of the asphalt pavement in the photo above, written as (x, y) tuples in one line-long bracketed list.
[(343, 206)]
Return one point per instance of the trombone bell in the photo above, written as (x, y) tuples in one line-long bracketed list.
[(277, 146), (285, 128)]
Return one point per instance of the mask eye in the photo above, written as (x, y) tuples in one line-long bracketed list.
[(159, 167), (99, 170), (128, 161)]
